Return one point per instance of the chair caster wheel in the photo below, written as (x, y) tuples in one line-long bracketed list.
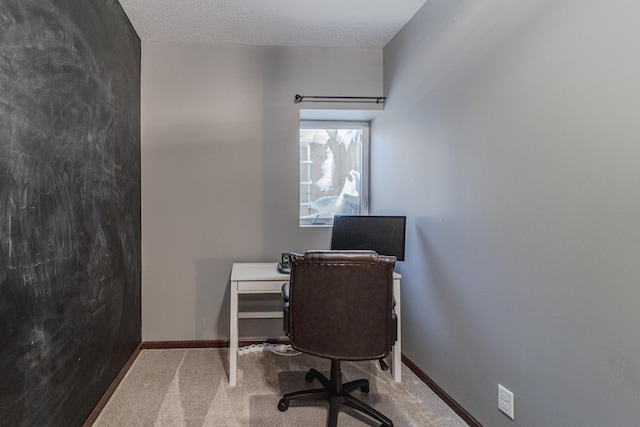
[(309, 377), (283, 405), (365, 389)]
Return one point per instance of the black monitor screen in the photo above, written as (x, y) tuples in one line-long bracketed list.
[(383, 234)]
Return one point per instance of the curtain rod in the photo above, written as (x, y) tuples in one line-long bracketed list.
[(361, 99)]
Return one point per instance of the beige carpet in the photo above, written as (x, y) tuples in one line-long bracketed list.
[(189, 387)]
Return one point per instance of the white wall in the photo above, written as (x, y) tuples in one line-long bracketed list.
[(220, 170), (511, 139)]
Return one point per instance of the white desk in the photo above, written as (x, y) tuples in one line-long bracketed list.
[(264, 278)]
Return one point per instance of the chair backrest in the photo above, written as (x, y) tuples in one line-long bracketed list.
[(341, 304)]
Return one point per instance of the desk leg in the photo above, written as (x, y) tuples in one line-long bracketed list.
[(233, 334), (396, 355)]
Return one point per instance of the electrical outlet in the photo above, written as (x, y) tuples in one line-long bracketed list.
[(505, 401)]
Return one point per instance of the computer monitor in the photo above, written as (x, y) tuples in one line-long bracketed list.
[(383, 234)]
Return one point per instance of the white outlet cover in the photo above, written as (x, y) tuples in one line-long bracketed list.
[(506, 403)]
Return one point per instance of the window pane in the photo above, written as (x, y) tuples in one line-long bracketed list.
[(331, 160)]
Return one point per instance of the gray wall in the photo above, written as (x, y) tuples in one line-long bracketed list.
[(220, 170), (511, 139)]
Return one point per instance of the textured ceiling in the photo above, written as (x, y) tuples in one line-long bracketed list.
[(326, 23)]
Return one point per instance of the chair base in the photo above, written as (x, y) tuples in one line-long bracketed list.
[(337, 394)]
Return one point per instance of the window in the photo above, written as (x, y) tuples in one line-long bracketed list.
[(334, 167)]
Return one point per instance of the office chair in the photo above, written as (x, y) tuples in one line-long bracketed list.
[(338, 305)]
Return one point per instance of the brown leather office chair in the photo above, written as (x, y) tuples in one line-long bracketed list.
[(338, 305)]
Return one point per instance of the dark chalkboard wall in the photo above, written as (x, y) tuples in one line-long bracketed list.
[(69, 206)]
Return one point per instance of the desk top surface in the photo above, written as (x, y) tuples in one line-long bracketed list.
[(257, 271), (263, 271)]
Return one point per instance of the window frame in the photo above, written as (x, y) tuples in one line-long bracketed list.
[(364, 161)]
